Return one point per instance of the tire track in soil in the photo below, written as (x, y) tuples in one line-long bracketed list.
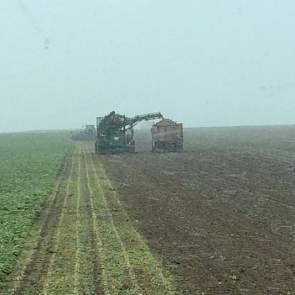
[(75, 269), (96, 242), (31, 277), (117, 235), (56, 239), (78, 227), (91, 239)]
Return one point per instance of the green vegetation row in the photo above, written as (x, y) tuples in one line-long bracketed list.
[(29, 163)]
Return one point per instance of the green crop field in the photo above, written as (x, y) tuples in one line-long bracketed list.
[(29, 164)]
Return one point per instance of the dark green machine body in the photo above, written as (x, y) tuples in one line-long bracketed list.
[(117, 142), (115, 132)]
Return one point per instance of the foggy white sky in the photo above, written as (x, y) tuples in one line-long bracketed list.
[(205, 63)]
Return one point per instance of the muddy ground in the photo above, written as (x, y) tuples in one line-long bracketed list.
[(221, 215)]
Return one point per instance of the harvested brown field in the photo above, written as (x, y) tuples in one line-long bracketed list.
[(221, 215)]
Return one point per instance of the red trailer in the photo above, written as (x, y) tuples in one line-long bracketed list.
[(167, 135)]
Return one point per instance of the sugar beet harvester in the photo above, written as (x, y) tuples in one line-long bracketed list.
[(115, 133)]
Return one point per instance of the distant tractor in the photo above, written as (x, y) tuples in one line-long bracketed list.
[(115, 133), (88, 132), (167, 136)]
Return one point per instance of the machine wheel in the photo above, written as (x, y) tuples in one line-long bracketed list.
[(131, 149), (153, 147)]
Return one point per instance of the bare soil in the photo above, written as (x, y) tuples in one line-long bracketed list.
[(220, 215)]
